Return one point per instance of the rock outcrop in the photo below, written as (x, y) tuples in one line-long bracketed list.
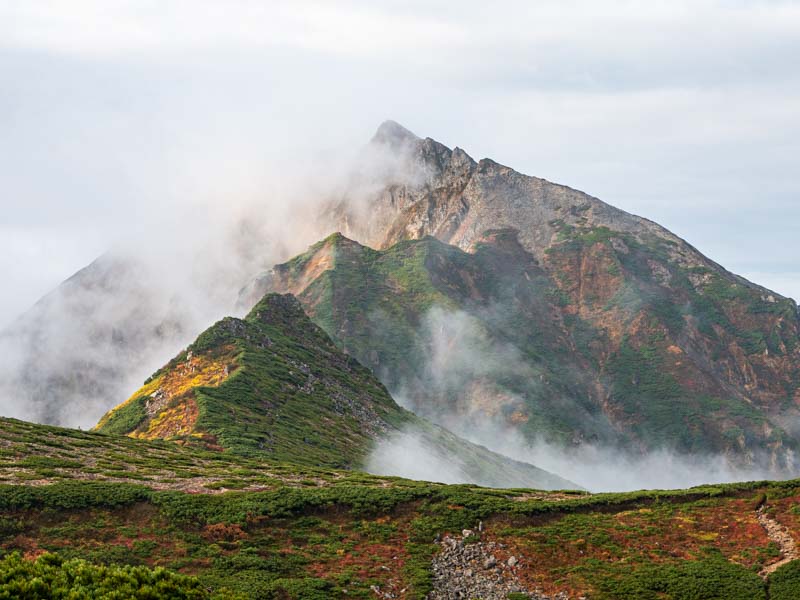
[(466, 567)]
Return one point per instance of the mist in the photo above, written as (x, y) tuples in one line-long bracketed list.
[(461, 390), (596, 469), (91, 342), (606, 469), (409, 454)]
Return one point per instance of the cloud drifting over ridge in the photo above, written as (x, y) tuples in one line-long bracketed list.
[(464, 389)]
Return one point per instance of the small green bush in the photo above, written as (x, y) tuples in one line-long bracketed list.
[(784, 584), (712, 578), (52, 577)]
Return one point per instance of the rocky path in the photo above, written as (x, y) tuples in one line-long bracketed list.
[(466, 568), (780, 535)]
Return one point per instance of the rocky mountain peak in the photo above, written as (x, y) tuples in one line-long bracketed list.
[(392, 134), (445, 193)]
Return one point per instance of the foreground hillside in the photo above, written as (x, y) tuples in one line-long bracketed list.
[(295, 532), (274, 385)]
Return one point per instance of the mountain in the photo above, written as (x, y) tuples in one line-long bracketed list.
[(498, 297), (639, 341), (274, 385), (85, 342)]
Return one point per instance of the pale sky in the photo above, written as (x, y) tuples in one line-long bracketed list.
[(117, 116)]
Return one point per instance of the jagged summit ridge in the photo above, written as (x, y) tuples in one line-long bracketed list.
[(445, 193)]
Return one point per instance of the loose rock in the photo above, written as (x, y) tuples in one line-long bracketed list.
[(463, 571)]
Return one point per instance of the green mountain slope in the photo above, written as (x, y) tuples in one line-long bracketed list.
[(274, 385), (606, 340)]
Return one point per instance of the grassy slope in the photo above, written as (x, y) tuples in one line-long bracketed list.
[(618, 344), (287, 387), (274, 385), (313, 533)]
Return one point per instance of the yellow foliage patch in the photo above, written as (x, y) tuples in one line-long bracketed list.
[(176, 420), (169, 399), (198, 371), (146, 390), (173, 404), (708, 536)]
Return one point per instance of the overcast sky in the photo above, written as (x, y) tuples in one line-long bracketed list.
[(117, 116)]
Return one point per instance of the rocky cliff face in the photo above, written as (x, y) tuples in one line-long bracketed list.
[(618, 330)]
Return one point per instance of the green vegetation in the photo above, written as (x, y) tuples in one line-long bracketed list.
[(125, 421), (784, 584), (315, 542), (301, 532), (711, 578), (52, 577), (574, 238), (46, 453), (274, 386), (653, 398)]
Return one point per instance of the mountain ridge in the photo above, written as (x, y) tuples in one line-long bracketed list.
[(661, 320), (274, 385)]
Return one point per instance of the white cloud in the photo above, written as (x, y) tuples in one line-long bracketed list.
[(113, 27)]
